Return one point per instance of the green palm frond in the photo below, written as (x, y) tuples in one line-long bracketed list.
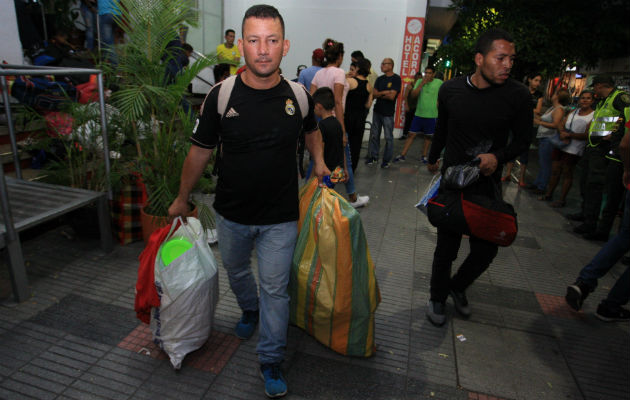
[(131, 102), (150, 106)]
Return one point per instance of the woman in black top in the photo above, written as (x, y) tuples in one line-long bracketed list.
[(358, 102)]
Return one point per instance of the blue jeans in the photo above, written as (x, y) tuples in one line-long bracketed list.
[(604, 260), (275, 245), (387, 123), (350, 189), (106, 25), (90, 26), (545, 148)]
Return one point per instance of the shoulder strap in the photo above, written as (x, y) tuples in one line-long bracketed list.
[(225, 91), (300, 94)]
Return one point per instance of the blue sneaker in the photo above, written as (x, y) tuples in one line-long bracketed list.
[(247, 325), (424, 160), (275, 385), (385, 165)]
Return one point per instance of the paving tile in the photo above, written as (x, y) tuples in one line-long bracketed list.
[(66, 372), (58, 355), (483, 396), (211, 357), (51, 375), (37, 381), (342, 380), (72, 393), (88, 319), (9, 394), (27, 390), (501, 361), (556, 306)]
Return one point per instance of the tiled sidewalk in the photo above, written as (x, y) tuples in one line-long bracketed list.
[(78, 338)]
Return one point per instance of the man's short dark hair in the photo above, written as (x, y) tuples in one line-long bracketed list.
[(484, 43), (605, 80), (363, 67), (358, 54), (431, 67), (228, 31), (187, 47), (263, 11), (325, 97)]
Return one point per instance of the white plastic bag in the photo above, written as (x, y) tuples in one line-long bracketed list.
[(189, 291)]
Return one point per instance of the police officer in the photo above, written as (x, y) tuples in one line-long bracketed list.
[(602, 168)]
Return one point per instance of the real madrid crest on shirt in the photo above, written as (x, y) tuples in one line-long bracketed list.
[(289, 108)]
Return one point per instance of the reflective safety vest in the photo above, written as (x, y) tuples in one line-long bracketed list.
[(604, 120)]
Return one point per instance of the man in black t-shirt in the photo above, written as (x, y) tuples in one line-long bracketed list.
[(475, 115), (257, 191), (386, 89)]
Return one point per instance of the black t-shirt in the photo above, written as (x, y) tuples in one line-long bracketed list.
[(473, 121), (332, 135), (383, 106), (258, 182)]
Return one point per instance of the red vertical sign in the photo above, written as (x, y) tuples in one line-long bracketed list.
[(409, 62)]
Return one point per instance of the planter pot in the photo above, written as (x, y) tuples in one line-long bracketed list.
[(151, 223)]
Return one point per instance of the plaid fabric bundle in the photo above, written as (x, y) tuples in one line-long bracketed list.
[(126, 206), (333, 287)]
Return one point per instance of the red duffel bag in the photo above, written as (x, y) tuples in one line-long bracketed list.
[(486, 218)]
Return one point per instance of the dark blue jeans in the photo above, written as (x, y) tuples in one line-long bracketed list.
[(545, 148), (604, 260)]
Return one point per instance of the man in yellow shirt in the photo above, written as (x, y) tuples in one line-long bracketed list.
[(228, 52)]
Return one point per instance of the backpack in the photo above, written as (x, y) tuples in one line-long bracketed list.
[(225, 92), (226, 86)]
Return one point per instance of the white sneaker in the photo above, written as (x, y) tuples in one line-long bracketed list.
[(361, 201), (212, 236)]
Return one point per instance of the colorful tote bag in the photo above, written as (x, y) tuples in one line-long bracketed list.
[(333, 288)]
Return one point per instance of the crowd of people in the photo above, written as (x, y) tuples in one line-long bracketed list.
[(256, 118)]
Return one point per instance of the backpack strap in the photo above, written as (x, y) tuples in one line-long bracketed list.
[(225, 91), (300, 94)]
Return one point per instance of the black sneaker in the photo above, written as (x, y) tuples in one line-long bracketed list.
[(461, 303), (610, 313), (576, 217), (584, 228), (596, 236), (436, 312), (576, 294), (385, 165), (370, 161)]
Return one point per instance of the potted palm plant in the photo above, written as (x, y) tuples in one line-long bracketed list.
[(153, 107)]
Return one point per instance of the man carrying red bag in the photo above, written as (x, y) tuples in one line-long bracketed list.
[(475, 116)]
